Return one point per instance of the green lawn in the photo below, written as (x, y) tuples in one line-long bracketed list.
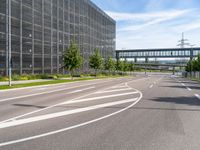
[(4, 87)]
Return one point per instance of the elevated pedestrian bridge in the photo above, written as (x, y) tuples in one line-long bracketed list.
[(158, 53)]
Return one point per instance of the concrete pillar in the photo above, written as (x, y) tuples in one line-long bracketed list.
[(117, 56), (135, 59), (146, 59), (173, 70)]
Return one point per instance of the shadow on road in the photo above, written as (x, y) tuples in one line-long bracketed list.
[(183, 87), (164, 109), (26, 105), (192, 101)]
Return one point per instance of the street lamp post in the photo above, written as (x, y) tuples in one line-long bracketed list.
[(9, 44)]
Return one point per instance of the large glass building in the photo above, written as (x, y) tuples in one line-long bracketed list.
[(40, 30)]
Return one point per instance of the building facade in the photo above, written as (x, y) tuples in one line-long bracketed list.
[(40, 30)]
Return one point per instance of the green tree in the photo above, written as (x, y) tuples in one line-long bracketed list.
[(131, 66), (194, 64), (198, 62), (126, 66), (109, 64), (119, 65), (72, 58), (95, 61), (188, 68)]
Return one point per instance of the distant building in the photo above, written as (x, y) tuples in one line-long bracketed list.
[(42, 30)]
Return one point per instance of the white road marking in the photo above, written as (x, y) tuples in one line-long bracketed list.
[(198, 96), (46, 92), (63, 113), (151, 86), (76, 91), (108, 91), (36, 111), (71, 127), (182, 84), (189, 89), (96, 98)]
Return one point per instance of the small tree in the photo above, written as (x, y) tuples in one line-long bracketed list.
[(119, 65), (126, 66), (72, 58), (193, 65), (131, 66), (109, 64), (198, 62), (95, 61)]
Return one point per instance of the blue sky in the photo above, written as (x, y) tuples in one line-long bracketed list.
[(153, 23)]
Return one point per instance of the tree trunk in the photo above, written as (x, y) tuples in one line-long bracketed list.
[(72, 74), (95, 72)]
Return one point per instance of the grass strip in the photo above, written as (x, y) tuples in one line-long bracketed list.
[(57, 81)]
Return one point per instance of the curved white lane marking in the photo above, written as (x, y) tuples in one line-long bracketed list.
[(96, 98), (72, 127), (62, 113), (36, 111)]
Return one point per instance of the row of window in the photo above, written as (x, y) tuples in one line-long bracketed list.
[(157, 53)]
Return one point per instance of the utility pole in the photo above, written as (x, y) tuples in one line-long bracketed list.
[(182, 42)]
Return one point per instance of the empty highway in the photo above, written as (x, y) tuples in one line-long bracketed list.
[(154, 112)]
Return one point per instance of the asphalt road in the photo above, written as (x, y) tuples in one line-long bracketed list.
[(155, 112)]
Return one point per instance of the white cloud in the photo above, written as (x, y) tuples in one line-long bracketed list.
[(189, 26), (146, 16), (155, 29)]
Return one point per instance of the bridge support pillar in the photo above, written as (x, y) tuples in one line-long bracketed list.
[(117, 56), (173, 70), (135, 59), (146, 60)]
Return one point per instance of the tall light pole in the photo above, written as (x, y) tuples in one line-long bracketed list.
[(9, 43)]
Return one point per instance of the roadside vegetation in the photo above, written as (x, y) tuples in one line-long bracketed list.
[(56, 81), (72, 62), (193, 65)]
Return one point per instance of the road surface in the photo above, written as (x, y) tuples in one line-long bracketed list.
[(155, 112)]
